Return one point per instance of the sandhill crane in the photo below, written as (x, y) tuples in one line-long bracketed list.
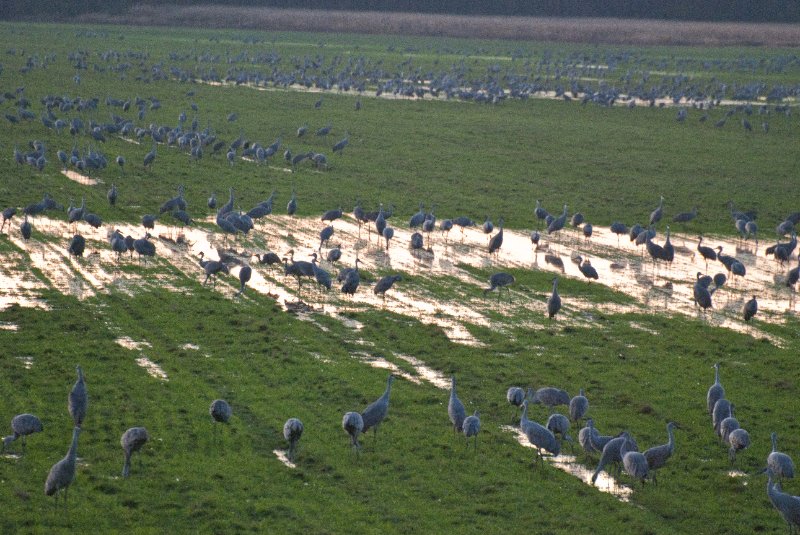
[(23, 425), (78, 400), (471, 427), (578, 406), (132, 441), (455, 409), (62, 473), (657, 456), (353, 424), (715, 391), (292, 431), (376, 411)]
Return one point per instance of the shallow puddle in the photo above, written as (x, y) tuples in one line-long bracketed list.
[(8, 326), (153, 369), (27, 362), (282, 457), (568, 463), (129, 343), (79, 178)]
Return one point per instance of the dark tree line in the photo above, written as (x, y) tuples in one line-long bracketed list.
[(700, 10)]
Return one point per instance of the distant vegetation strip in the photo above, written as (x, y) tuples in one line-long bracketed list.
[(572, 30)]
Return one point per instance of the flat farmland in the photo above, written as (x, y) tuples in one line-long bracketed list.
[(472, 128)]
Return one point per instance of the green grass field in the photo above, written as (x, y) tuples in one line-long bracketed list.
[(641, 366)]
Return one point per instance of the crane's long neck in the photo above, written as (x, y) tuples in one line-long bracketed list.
[(716, 374), (523, 420), (72, 454), (453, 387), (671, 438), (774, 442)]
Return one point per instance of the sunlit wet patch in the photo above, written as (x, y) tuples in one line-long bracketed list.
[(380, 362), (11, 456), (129, 343), (281, 455), (736, 473), (79, 178), (153, 369), (569, 464), (27, 362), (8, 326), (192, 347), (437, 379)]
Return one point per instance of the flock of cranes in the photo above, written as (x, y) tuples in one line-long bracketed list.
[(621, 450)]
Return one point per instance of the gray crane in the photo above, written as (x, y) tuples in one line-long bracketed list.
[(685, 217), (292, 431), (558, 223), (550, 397), (376, 411), (706, 252), (322, 277), (298, 269), (455, 409), (786, 504), (558, 424), (353, 424), (384, 284), (779, 464), (634, 462), (8, 213), (488, 226), (388, 234), (26, 229), (599, 441), (220, 412), (701, 294), (334, 254), (77, 245), (497, 240), (269, 258), (657, 456), (715, 391), (728, 425), (351, 281), (144, 247), (722, 409), (541, 213), (324, 235), (132, 441), (23, 425), (418, 218), (739, 439), (291, 206), (585, 267), (245, 272), (612, 452), (500, 280), (578, 406), (332, 215), (655, 215), (78, 400), (538, 435), (471, 428), (515, 396), (212, 268), (554, 301), (750, 309), (112, 195), (585, 436), (62, 474)]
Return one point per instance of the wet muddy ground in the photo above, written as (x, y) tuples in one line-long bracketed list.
[(656, 288), (447, 264)]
